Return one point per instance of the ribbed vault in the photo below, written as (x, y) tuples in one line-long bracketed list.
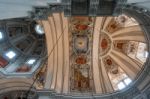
[(113, 48)]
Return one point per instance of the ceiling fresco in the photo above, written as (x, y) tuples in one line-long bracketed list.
[(81, 52)]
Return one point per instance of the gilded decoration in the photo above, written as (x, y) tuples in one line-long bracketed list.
[(81, 53)]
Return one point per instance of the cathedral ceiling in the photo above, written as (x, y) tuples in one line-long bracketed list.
[(85, 54), (93, 54)]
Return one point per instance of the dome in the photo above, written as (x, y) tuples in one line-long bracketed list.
[(22, 49)]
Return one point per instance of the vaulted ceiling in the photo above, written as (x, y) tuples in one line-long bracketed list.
[(93, 54), (85, 54)]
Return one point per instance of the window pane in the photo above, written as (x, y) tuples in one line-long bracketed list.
[(31, 61), (127, 81), (121, 85), (10, 54), (1, 36)]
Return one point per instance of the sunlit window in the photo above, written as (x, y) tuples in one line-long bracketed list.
[(127, 81), (11, 54), (39, 29), (1, 35), (121, 85), (124, 83), (31, 61)]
